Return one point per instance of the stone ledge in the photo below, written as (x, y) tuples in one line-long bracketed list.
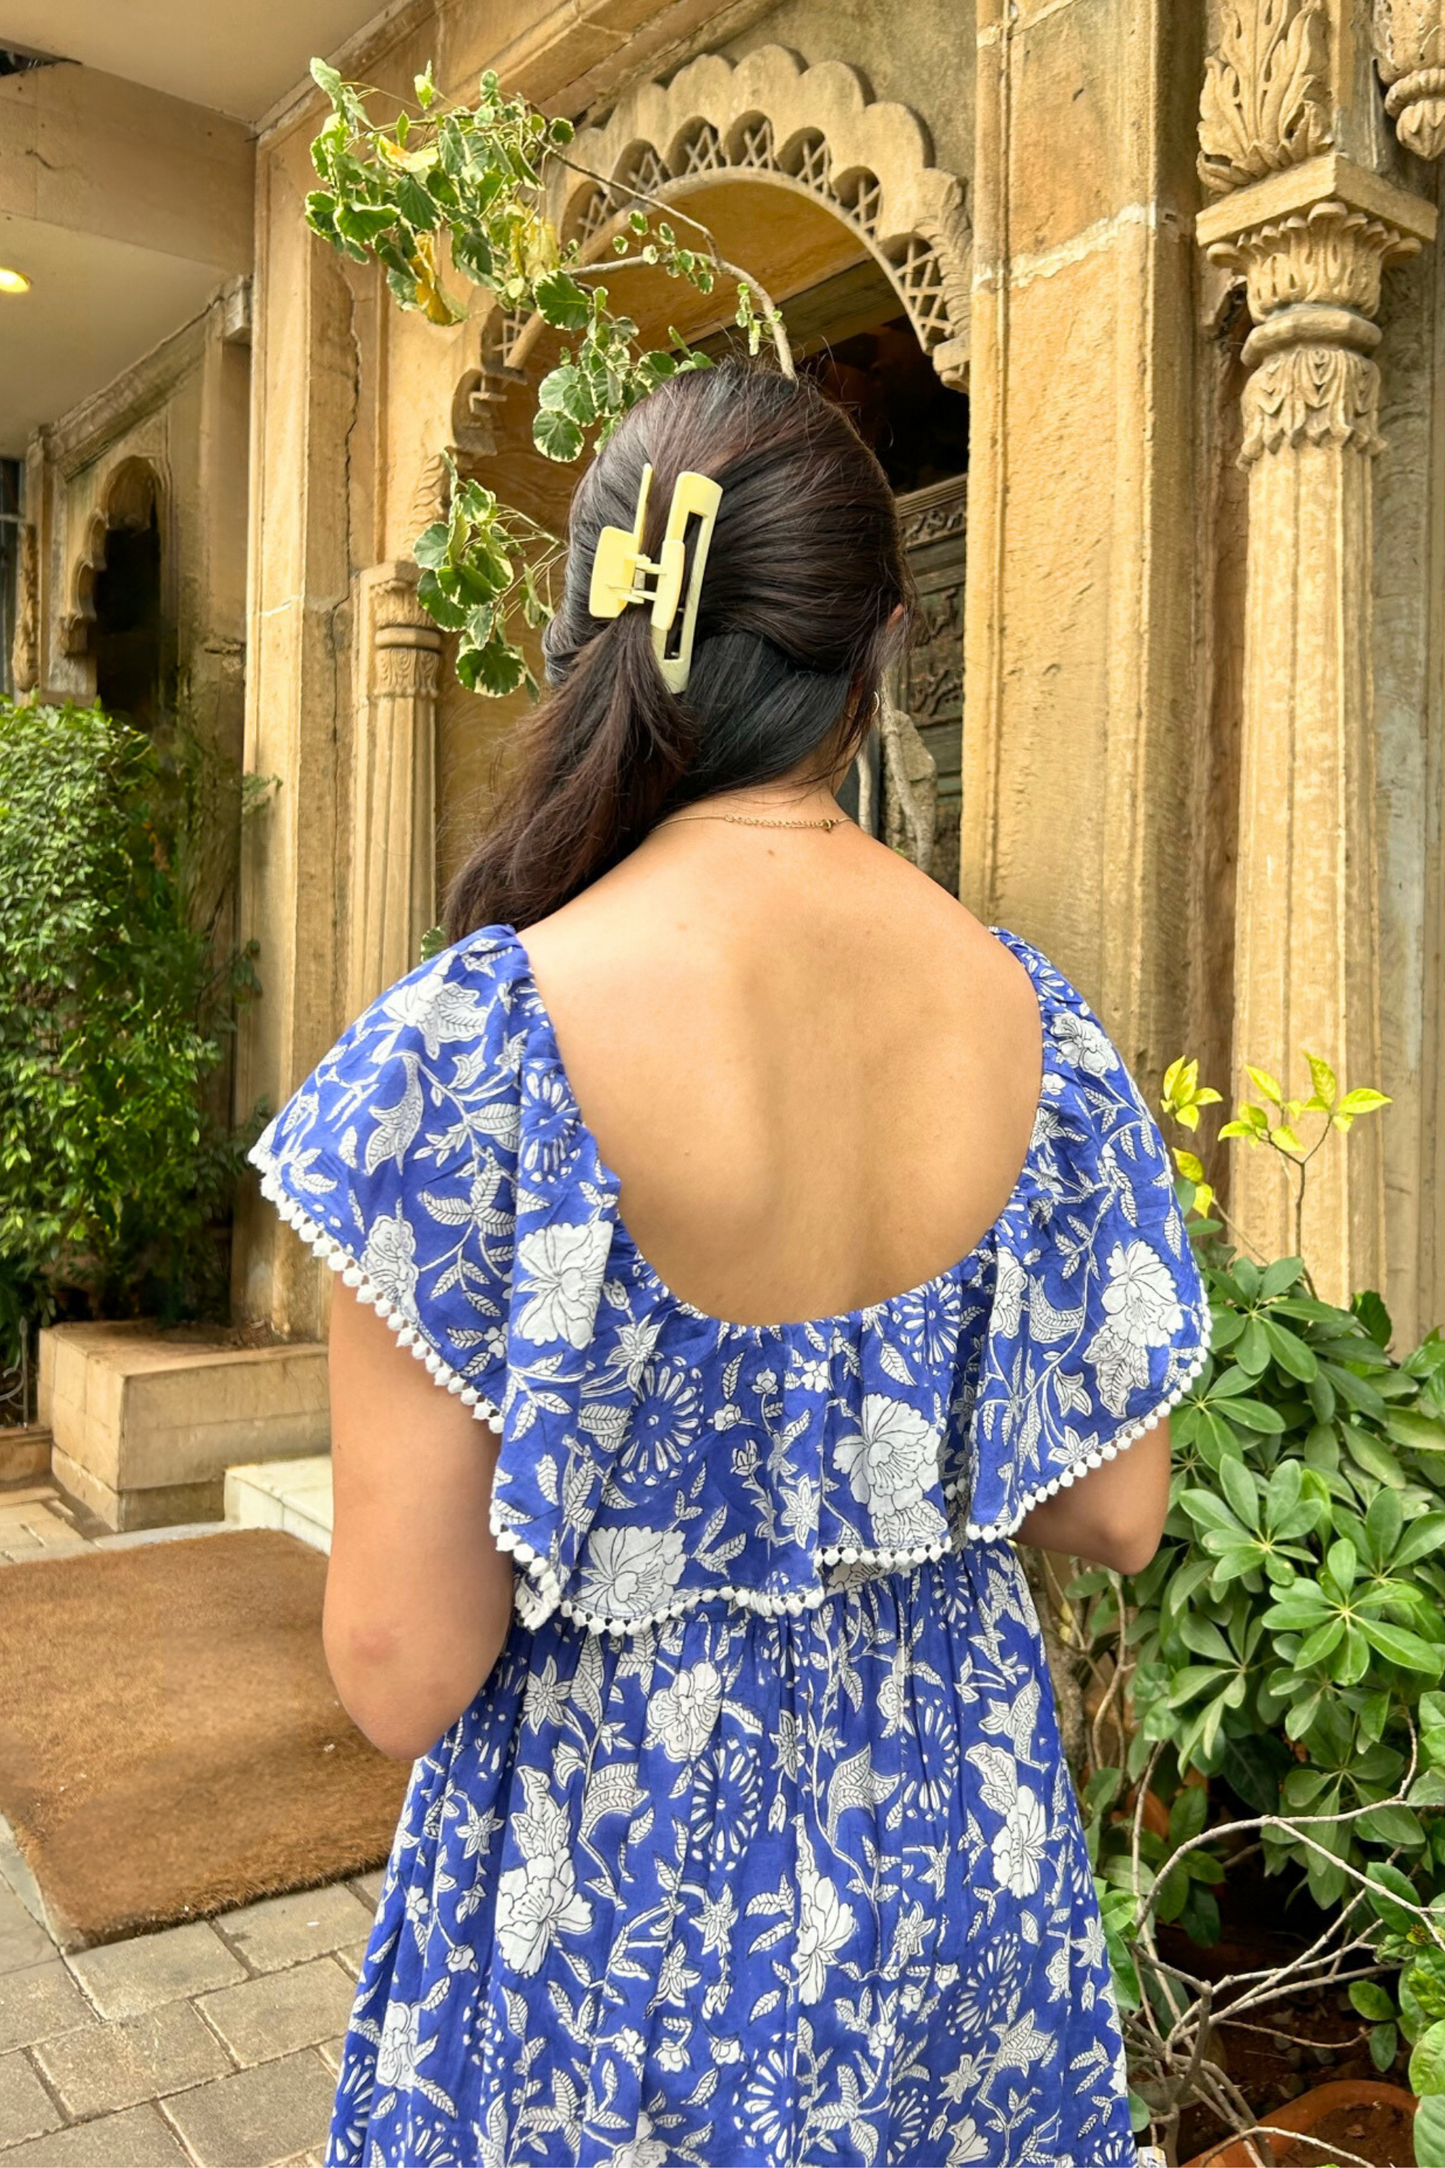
[(146, 1424), (24, 1453), (294, 1495)]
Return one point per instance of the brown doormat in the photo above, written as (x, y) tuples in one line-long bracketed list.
[(170, 1741)]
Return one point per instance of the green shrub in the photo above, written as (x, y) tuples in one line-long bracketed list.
[(1286, 1642), (116, 997)]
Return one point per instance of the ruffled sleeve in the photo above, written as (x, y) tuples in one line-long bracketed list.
[(1099, 1319), (396, 1162)]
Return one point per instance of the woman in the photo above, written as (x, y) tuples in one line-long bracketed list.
[(798, 1242)]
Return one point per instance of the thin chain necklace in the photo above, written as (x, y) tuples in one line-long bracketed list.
[(754, 820)]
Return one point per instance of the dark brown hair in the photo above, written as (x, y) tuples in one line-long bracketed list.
[(805, 571)]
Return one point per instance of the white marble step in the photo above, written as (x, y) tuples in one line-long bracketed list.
[(290, 1494)]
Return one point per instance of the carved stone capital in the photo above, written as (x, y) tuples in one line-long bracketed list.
[(1410, 54), (1266, 97), (1328, 253), (1311, 395), (1310, 246), (407, 660), (406, 645)]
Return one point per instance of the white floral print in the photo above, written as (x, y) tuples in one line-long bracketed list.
[(388, 1259), (1140, 1298), (630, 1572), (894, 1457), (1018, 1848), (825, 1924), (758, 1843), (559, 1271), (684, 1715), (534, 1903)]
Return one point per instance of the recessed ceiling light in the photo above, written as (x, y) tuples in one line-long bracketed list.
[(13, 282)]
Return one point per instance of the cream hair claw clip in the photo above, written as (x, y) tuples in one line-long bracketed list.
[(622, 575)]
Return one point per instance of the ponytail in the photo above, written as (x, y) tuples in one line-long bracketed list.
[(796, 627), (607, 747)]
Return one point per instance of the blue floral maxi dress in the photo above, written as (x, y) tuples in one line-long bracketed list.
[(757, 1848)]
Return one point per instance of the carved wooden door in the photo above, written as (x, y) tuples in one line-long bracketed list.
[(930, 688)]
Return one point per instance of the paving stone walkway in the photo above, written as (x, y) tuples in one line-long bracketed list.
[(213, 2045)]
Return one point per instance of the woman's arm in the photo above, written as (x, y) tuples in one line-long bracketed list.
[(1113, 1516), (418, 1596)]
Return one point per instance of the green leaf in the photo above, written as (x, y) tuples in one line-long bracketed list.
[(1289, 1351), (1395, 1826), (1383, 1523), (1400, 1647), (1369, 1453), (362, 222), (1371, 2001), (1254, 1415), (1428, 2133), (473, 255), (563, 301), (1188, 1814), (1373, 1315), (1323, 1078), (1363, 1101), (1427, 2062), (1265, 1085), (1252, 1350), (1421, 1433), (1384, 2045), (1238, 1485), (556, 435), (430, 546), (496, 668)]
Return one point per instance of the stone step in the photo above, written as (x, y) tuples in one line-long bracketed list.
[(290, 1494)]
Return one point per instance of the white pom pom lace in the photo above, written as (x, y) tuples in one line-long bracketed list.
[(540, 1592)]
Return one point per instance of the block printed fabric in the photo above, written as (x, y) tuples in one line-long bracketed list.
[(757, 1848)]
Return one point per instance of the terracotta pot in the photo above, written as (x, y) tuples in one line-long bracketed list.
[(1303, 2115)]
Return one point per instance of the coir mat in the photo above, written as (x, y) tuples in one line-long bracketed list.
[(171, 1744)]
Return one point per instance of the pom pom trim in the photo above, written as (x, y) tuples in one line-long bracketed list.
[(539, 1594)]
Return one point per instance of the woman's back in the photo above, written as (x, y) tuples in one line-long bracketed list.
[(814, 1072), (781, 1243)]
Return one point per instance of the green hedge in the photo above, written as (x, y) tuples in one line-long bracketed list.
[(116, 1166)]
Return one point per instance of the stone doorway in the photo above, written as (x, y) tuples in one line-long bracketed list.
[(918, 428)]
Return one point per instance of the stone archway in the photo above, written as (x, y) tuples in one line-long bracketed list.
[(130, 503), (813, 132)]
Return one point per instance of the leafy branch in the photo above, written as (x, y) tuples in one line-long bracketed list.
[(433, 189), (1272, 1125)]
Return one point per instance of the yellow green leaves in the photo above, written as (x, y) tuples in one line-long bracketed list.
[(1184, 1095), (1271, 1119)]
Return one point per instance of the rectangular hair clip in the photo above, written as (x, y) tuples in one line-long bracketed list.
[(622, 575)]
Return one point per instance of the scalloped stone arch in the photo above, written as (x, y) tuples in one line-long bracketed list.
[(125, 498), (813, 130)]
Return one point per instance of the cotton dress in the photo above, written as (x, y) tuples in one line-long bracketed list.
[(757, 1848)]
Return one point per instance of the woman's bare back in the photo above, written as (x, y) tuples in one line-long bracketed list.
[(813, 1070)]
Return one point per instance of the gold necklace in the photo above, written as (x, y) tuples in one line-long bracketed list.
[(754, 820)]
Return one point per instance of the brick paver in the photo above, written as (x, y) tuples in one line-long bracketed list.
[(284, 1930), (26, 2108), (258, 2116), (39, 2001), (281, 2011), (125, 1979), (139, 2138), (214, 2045), (101, 2067)]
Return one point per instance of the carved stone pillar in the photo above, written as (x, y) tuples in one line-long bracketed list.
[(1310, 242), (1410, 53), (393, 833), (25, 647)]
